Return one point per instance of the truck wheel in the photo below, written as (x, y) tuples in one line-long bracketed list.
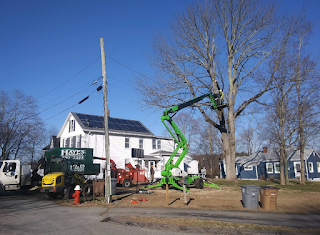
[(126, 183), (87, 190), (70, 191), (198, 183)]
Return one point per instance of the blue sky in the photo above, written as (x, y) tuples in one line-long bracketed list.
[(45, 44)]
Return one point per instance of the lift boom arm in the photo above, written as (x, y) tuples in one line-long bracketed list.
[(178, 136)]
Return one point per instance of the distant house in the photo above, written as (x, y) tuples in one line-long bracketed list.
[(311, 162), (129, 140), (266, 165)]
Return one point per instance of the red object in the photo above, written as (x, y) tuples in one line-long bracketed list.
[(133, 174), (76, 197)]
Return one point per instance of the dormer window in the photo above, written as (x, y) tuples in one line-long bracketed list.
[(72, 125)]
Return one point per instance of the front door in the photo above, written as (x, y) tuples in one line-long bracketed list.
[(297, 169)]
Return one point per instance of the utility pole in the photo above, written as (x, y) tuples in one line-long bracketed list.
[(106, 129)]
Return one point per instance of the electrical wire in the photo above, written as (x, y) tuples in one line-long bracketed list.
[(130, 68), (70, 78), (92, 83), (98, 89)]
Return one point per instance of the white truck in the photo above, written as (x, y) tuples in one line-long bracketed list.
[(14, 175)]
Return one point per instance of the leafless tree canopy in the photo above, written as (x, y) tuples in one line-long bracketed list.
[(216, 44), (21, 130)]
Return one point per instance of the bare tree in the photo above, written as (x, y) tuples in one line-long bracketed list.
[(249, 138), (307, 97), (280, 120), (18, 124), (209, 38)]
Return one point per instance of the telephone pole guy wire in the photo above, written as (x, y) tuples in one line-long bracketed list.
[(106, 130)]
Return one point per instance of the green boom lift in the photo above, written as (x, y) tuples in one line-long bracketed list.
[(172, 174)]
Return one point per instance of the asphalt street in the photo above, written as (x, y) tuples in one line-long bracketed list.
[(31, 213), (253, 217), (27, 213)]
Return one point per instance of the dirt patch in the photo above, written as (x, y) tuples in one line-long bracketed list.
[(208, 198)]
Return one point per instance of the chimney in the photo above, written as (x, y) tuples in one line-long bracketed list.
[(108, 112), (265, 149)]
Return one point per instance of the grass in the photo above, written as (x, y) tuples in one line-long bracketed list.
[(293, 184), (218, 224)]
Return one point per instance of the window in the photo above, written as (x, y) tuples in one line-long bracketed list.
[(72, 125), (277, 167), (310, 164), (159, 144), (10, 167), (248, 168), (236, 170), (140, 143), (154, 144), (126, 144), (79, 142), (318, 166), (269, 168), (73, 141)]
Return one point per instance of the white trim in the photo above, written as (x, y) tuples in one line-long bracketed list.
[(248, 168), (269, 163), (310, 164), (296, 173), (275, 167)]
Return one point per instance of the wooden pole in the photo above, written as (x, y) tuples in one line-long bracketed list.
[(106, 128), (184, 194), (167, 193)]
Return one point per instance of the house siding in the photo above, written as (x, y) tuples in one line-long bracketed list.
[(314, 158)]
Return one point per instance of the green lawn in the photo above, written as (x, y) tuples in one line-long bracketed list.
[(293, 184)]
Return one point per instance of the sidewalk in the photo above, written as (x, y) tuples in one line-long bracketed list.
[(263, 218)]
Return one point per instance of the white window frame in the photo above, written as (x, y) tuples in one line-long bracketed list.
[(237, 170), (154, 144), (158, 144), (310, 167), (248, 168), (275, 167), (318, 166), (126, 142), (140, 143), (269, 163)]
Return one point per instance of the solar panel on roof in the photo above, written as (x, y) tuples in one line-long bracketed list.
[(113, 123)]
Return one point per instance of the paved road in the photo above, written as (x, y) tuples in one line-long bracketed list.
[(28, 213), (263, 218)]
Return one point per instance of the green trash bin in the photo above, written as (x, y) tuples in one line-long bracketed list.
[(250, 194), (268, 197)]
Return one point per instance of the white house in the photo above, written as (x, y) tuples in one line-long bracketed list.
[(130, 141)]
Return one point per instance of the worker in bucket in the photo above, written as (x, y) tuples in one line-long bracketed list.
[(76, 195)]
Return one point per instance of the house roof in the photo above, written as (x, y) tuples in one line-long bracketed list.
[(295, 156), (271, 155), (96, 123)]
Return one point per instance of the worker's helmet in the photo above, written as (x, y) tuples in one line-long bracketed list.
[(77, 187)]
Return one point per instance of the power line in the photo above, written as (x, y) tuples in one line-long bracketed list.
[(130, 68), (69, 79), (92, 83), (98, 89)]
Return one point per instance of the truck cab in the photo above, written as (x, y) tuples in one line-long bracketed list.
[(14, 175)]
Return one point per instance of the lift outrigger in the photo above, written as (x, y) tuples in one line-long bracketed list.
[(172, 174)]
